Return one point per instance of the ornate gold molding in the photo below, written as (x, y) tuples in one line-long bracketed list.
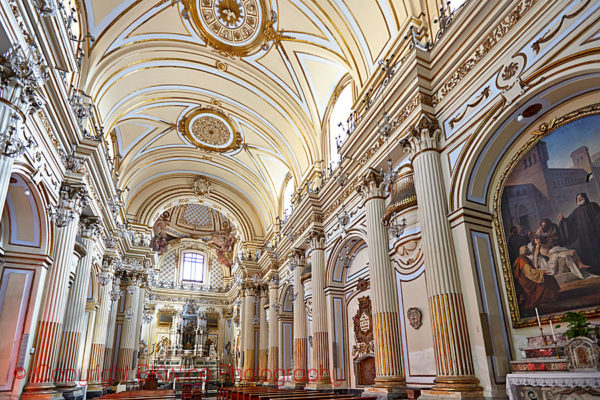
[(210, 129)]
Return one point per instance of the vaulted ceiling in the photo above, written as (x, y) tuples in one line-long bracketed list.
[(236, 91)]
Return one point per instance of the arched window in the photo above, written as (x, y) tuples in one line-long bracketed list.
[(192, 267), (339, 115)]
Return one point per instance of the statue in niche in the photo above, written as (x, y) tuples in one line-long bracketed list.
[(227, 363)]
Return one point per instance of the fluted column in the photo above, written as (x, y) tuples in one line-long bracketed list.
[(21, 74), (108, 367), (386, 327), (248, 328), (300, 333), (273, 331), (263, 333), (66, 218), (319, 322), (242, 305), (74, 323), (139, 313), (454, 361), (128, 337), (101, 325)]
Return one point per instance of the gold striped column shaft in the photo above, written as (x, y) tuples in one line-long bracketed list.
[(263, 333), (299, 331), (273, 331), (74, 323), (319, 316), (128, 337), (71, 203), (386, 333), (248, 372), (138, 326), (454, 360), (242, 305), (100, 325)]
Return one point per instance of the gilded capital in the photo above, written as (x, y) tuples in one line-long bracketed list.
[(425, 135), (373, 185), (316, 239)]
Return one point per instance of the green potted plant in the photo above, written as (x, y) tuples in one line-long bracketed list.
[(581, 349), (578, 325)]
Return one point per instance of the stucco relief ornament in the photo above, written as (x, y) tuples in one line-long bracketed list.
[(415, 317), (210, 129), (233, 28)]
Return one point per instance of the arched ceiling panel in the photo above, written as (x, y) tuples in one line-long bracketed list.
[(265, 70)]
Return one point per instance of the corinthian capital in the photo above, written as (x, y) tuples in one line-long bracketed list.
[(373, 184), (90, 227), (72, 200), (425, 135), (316, 239)]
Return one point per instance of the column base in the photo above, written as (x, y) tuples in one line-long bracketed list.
[(41, 391), (466, 384)]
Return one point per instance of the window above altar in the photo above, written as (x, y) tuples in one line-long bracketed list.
[(192, 267)]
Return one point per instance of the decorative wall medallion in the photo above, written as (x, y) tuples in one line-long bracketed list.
[(415, 317), (363, 328), (211, 130), (234, 27)]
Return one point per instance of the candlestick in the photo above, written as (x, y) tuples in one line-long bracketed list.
[(552, 330), (538, 318)]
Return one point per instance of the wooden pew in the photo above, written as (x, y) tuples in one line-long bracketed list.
[(141, 395)]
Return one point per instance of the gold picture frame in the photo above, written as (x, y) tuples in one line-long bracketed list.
[(545, 129)]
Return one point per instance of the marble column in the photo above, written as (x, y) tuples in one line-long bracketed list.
[(66, 218), (384, 296), (263, 333), (454, 361), (248, 327), (74, 323), (128, 336), (96, 364), (273, 332), (300, 373), (21, 74), (320, 335)]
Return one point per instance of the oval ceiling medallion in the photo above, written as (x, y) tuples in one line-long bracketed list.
[(234, 27), (211, 130)]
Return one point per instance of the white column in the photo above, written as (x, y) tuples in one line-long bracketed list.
[(300, 333), (101, 325), (319, 322), (66, 218), (242, 333), (273, 331), (263, 333), (74, 323), (108, 364), (128, 337), (386, 325), (248, 373), (454, 361)]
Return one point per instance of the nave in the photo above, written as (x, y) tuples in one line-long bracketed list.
[(299, 199)]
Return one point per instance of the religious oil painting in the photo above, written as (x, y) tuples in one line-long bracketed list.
[(551, 218)]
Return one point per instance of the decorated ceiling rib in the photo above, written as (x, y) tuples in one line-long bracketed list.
[(233, 89)]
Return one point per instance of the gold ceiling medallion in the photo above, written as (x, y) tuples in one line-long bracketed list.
[(211, 130), (232, 27)]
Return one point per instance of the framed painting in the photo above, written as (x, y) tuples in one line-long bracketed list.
[(547, 218)]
